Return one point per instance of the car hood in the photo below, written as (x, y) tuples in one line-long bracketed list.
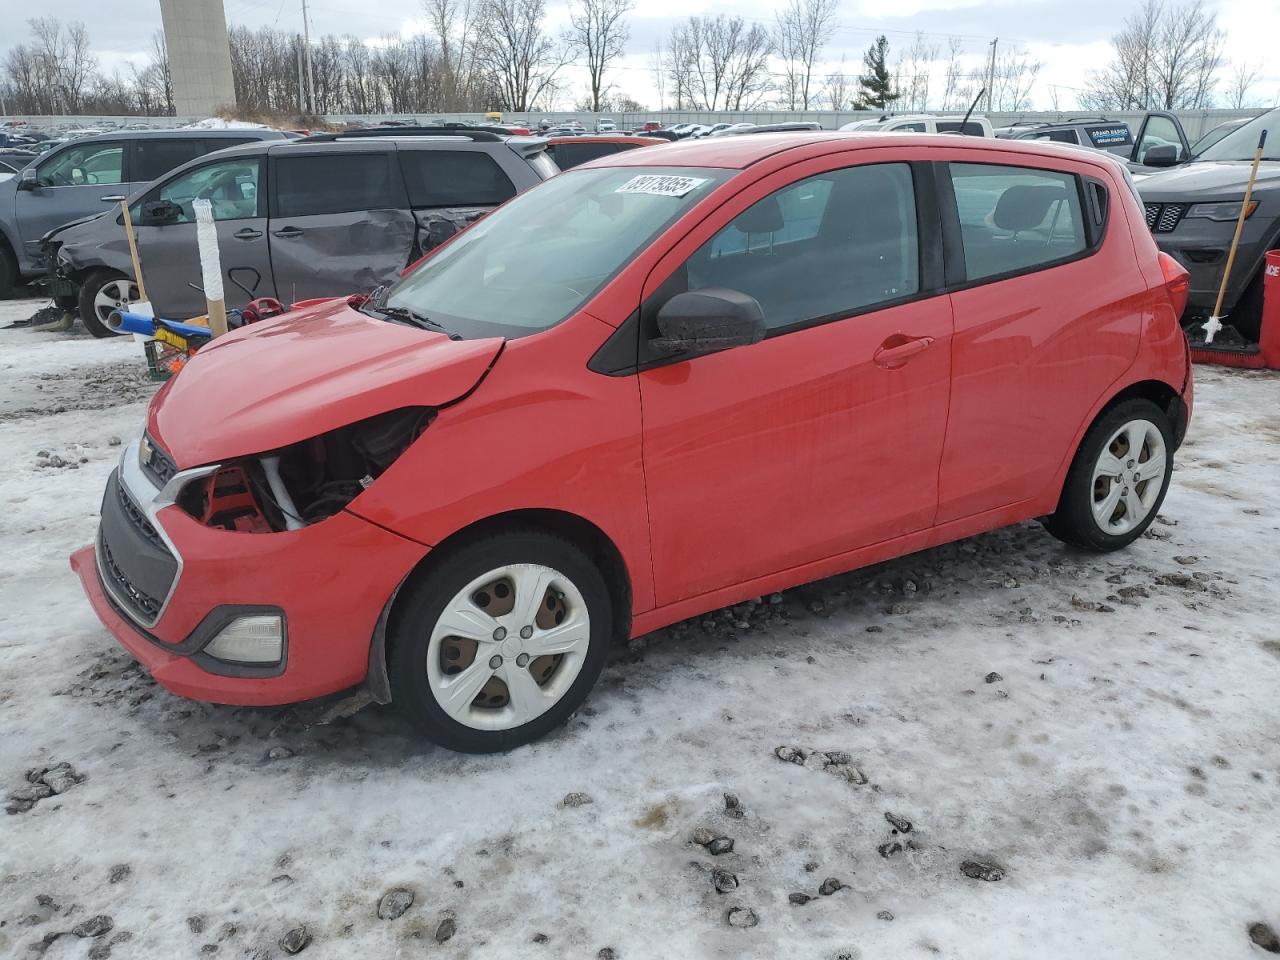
[(1208, 180), (59, 232), (302, 374)]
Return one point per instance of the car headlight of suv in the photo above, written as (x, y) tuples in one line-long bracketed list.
[(1227, 210)]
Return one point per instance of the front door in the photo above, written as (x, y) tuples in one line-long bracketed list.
[(167, 245), (79, 180), (826, 436)]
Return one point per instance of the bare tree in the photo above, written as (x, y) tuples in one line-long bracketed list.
[(1015, 76), (598, 31), (514, 47), (719, 63), (1243, 77), (957, 86), (658, 67), (839, 89), (1165, 57), (802, 29), (913, 73)]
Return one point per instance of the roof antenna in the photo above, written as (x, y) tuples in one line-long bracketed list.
[(968, 112)]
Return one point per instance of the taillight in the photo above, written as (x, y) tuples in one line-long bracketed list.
[(1177, 281)]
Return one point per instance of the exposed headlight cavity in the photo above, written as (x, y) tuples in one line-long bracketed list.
[(304, 483)]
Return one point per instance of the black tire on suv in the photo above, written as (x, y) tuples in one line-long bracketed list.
[(94, 320), (8, 273)]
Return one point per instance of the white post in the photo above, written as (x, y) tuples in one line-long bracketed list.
[(210, 265)]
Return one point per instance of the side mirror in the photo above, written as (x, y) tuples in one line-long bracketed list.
[(1165, 155), (703, 321), (27, 179), (161, 211)]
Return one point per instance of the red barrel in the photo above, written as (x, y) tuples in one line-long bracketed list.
[(1269, 336)]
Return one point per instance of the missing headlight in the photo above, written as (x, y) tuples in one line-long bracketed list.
[(308, 481)]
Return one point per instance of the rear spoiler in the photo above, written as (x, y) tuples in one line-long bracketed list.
[(527, 147)]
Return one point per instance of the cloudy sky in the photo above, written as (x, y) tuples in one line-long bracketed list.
[(1070, 38)]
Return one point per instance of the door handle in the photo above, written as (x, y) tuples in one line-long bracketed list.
[(114, 198), (247, 233), (287, 233), (898, 349)]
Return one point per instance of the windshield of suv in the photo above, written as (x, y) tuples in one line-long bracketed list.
[(1241, 144), (534, 261)]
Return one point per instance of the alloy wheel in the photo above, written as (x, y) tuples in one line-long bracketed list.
[(508, 646), (115, 294), (1128, 477)]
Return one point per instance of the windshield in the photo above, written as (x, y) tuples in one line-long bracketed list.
[(1241, 144), (536, 260)]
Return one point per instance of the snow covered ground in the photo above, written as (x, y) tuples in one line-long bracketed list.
[(1106, 730)]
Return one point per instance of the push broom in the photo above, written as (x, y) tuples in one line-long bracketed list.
[(1214, 323)]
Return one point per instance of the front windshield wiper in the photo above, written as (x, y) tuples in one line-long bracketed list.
[(404, 314)]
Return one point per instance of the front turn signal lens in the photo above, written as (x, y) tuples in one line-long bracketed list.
[(257, 639)]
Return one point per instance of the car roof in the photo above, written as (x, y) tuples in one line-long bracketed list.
[(192, 133), (741, 152)]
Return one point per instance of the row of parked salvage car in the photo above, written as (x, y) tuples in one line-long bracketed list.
[(297, 217), (337, 213)]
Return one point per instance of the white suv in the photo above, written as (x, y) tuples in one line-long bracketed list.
[(924, 123)]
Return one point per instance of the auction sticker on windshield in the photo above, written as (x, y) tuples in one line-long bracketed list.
[(662, 186)]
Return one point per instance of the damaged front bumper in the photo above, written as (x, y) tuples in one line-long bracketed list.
[(168, 587)]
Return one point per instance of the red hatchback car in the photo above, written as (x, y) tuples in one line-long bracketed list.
[(659, 384)]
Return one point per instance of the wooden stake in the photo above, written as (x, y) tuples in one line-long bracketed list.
[(133, 250), (1215, 319)]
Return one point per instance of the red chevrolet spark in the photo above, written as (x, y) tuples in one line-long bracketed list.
[(661, 383)]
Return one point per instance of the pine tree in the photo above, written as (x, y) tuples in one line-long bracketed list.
[(876, 84)]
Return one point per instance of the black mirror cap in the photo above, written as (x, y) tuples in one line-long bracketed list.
[(1165, 155), (703, 321)]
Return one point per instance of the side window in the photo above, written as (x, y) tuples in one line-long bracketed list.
[(154, 158), (1158, 132), (915, 126), (231, 186), (825, 246), (970, 129), (1013, 219), (323, 183), (1057, 136), (91, 163), (455, 178), (572, 154)]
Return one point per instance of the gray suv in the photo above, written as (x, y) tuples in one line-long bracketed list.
[(323, 216), (1192, 211), (81, 177)]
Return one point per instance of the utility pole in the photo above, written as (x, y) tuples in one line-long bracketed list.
[(306, 40), (991, 73), (302, 107)]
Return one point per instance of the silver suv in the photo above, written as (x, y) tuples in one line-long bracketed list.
[(323, 216), (80, 178)]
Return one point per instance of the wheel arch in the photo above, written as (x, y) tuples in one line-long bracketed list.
[(579, 531)]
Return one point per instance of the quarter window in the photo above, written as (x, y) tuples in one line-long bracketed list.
[(1013, 219), (307, 186), (454, 178), (828, 245)]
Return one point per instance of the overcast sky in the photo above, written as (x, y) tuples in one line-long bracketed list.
[(1070, 37)]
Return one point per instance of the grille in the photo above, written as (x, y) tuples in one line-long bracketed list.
[(1164, 217), (137, 518), (159, 466), (145, 606)]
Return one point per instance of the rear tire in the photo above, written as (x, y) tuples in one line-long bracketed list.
[(103, 291), (467, 647), (1118, 479)]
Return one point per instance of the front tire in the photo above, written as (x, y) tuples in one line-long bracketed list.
[(1118, 480), (500, 641), (102, 292)]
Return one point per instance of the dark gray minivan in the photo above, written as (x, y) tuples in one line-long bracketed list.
[(327, 215), (83, 177)]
